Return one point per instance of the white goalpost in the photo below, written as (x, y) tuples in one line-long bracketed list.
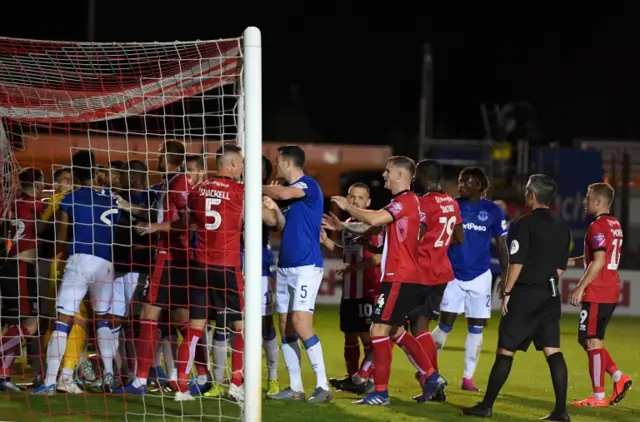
[(122, 100)]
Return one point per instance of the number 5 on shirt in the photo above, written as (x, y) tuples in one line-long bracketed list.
[(210, 212)]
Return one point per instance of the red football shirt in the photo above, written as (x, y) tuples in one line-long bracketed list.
[(400, 252), (23, 233), (172, 202), (217, 205), (363, 284), (442, 215), (604, 234)]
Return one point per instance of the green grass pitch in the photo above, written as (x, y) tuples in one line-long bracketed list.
[(528, 394)]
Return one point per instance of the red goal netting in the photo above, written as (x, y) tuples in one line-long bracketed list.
[(121, 101)]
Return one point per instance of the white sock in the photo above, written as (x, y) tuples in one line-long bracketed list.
[(292, 354), (139, 382), (168, 353), (66, 373), (616, 376), (472, 347), (117, 357), (55, 351), (440, 336), (157, 357), (357, 379), (219, 355), (271, 353), (314, 353), (106, 346), (598, 396)]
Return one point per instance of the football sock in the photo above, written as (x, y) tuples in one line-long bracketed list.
[(366, 367), (55, 351), (560, 380), (611, 366), (292, 354), (186, 355), (382, 361), (314, 353), (7, 364), (352, 356), (596, 372), (219, 354), (76, 342), (271, 351), (237, 354), (12, 338), (499, 374), (146, 346), (429, 345), (415, 353), (472, 347), (106, 345), (440, 335)]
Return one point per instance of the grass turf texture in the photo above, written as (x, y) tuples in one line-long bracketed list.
[(528, 394)]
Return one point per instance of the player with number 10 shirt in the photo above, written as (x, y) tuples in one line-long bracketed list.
[(599, 293)]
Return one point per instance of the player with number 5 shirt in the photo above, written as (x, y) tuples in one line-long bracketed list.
[(599, 292)]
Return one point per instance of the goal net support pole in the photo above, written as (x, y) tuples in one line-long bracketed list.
[(252, 78)]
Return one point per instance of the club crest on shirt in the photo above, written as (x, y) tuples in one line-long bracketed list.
[(515, 247), (483, 215), (599, 239), (395, 207)]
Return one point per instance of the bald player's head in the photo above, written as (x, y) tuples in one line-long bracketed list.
[(230, 161)]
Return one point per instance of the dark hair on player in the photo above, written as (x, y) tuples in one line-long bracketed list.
[(268, 169), (360, 185), (404, 163), (428, 171), (543, 187), (82, 164), (603, 190), (28, 176), (175, 151), (226, 149), (293, 153), (478, 174), (116, 164), (60, 172), (198, 159)]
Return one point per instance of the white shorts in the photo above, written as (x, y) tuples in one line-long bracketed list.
[(267, 296), (297, 288), (86, 273), (473, 298), (123, 289)]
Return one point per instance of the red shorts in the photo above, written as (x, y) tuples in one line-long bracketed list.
[(168, 283)]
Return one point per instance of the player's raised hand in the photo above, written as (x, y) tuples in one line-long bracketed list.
[(331, 222), (122, 203), (341, 201), (269, 203)]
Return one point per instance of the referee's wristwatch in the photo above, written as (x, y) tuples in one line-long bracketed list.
[(505, 294)]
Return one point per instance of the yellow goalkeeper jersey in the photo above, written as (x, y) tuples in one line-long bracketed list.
[(54, 204)]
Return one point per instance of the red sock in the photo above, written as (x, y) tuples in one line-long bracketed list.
[(12, 338), (426, 341), (415, 353), (352, 357), (366, 368), (237, 352), (6, 362), (382, 361), (596, 369), (186, 355), (609, 364), (146, 346)]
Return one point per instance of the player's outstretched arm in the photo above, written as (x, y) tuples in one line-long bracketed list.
[(576, 261), (271, 214), (283, 193), (330, 245), (369, 217)]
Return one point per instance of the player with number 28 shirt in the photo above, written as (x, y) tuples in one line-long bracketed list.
[(599, 292)]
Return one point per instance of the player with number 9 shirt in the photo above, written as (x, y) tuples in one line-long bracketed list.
[(599, 293), (216, 284), (443, 227)]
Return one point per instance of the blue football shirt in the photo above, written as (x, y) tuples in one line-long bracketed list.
[(93, 213), (300, 244), (482, 221), (268, 259)]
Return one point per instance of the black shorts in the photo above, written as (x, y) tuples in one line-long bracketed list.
[(396, 300), (355, 315), (218, 290), (430, 308), (168, 283), (594, 318), (533, 316), (19, 287)]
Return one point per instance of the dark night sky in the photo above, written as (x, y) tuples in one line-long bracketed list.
[(358, 76)]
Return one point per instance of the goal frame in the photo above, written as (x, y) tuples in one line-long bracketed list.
[(252, 133)]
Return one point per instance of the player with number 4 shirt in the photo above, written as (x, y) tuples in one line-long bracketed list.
[(599, 292)]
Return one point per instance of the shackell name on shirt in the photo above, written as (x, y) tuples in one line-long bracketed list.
[(212, 193), (475, 227)]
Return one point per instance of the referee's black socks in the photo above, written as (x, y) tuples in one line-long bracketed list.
[(497, 378), (560, 380)]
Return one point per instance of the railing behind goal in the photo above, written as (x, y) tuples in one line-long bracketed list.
[(122, 101)]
